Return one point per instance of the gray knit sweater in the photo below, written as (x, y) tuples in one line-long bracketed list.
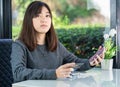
[(40, 63)]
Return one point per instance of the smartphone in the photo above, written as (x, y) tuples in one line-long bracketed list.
[(77, 66), (97, 53)]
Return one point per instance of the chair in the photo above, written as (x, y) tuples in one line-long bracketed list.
[(6, 77)]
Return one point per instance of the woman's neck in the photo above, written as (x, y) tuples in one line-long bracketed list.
[(41, 39)]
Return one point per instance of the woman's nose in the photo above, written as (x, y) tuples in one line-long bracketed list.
[(43, 19)]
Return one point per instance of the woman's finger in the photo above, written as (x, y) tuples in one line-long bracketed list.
[(95, 62), (99, 59), (68, 70), (68, 65)]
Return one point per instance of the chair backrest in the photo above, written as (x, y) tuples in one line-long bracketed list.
[(6, 77)]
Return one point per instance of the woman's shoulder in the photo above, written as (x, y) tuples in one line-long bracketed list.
[(60, 45), (18, 47), (18, 43)]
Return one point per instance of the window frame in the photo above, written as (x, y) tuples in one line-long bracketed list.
[(6, 22), (5, 19)]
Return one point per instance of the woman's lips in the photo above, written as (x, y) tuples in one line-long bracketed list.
[(43, 25)]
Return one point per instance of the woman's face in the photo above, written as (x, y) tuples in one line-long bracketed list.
[(42, 22)]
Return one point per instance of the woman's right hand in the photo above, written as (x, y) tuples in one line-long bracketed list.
[(64, 70)]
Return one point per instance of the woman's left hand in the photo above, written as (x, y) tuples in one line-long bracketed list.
[(96, 59)]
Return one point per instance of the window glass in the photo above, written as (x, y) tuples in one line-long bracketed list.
[(80, 24)]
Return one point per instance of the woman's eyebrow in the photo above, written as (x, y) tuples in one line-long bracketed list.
[(45, 12), (48, 12)]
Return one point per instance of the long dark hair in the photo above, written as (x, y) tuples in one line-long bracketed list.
[(28, 33)]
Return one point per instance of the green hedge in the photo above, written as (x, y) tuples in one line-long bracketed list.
[(83, 42)]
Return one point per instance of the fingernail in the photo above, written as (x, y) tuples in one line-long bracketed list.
[(71, 69)]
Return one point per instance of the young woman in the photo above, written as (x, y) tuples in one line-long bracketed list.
[(37, 54)]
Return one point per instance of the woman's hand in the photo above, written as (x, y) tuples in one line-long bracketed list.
[(98, 57), (64, 70)]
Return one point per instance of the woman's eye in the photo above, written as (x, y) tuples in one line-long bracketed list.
[(47, 15), (36, 16)]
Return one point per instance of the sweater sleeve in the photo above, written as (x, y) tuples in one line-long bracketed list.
[(70, 57), (19, 66)]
